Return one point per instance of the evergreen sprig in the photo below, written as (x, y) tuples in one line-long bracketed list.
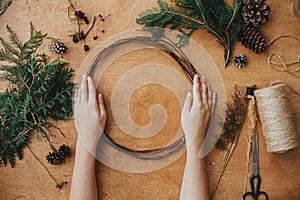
[(215, 16), (38, 90)]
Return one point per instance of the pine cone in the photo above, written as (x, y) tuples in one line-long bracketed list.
[(255, 12), (240, 60), (54, 158), (58, 47), (253, 39), (64, 151)]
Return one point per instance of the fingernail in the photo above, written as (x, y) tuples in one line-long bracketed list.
[(203, 77), (84, 76), (189, 94)]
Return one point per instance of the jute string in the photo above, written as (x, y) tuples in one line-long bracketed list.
[(276, 118), (282, 65)]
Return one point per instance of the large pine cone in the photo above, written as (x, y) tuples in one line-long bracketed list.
[(255, 12), (252, 38)]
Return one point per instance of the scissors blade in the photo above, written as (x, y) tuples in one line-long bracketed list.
[(255, 154)]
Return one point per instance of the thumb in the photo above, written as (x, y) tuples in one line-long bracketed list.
[(214, 102), (188, 102)]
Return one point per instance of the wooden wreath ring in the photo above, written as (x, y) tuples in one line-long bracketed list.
[(167, 46)]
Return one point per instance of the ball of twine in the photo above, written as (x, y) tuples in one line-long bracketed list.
[(276, 118)]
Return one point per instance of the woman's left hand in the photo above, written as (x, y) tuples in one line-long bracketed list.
[(89, 114)]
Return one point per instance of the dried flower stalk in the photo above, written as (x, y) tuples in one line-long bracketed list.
[(252, 116), (234, 120)]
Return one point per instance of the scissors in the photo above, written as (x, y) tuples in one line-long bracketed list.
[(255, 178)]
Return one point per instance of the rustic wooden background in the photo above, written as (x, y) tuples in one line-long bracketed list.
[(280, 172)]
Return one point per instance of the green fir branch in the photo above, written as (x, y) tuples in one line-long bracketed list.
[(13, 38), (184, 4), (215, 16), (164, 15), (9, 49), (183, 38), (38, 90), (35, 41)]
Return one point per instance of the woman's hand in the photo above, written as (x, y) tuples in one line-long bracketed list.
[(196, 113), (89, 114)]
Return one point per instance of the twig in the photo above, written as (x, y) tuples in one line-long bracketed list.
[(24, 132), (89, 30), (59, 129), (58, 185), (225, 163)]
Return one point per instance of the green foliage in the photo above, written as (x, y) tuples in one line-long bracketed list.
[(215, 16), (38, 90)]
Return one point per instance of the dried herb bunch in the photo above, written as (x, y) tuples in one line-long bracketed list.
[(80, 19), (215, 16), (38, 90), (234, 119)]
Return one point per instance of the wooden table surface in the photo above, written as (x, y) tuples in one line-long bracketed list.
[(280, 172)]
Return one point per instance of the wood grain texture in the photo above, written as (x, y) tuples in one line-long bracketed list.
[(280, 172)]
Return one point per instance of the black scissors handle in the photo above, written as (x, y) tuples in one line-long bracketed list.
[(255, 191)]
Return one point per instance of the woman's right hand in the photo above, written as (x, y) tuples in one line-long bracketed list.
[(196, 113)]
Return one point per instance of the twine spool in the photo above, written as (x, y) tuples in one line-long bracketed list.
[(276, 118)]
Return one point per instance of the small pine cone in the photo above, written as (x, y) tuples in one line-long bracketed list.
[(255, 12), (240, 60), (253, 39), (54, 158), (55, 46), (64, 151)]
